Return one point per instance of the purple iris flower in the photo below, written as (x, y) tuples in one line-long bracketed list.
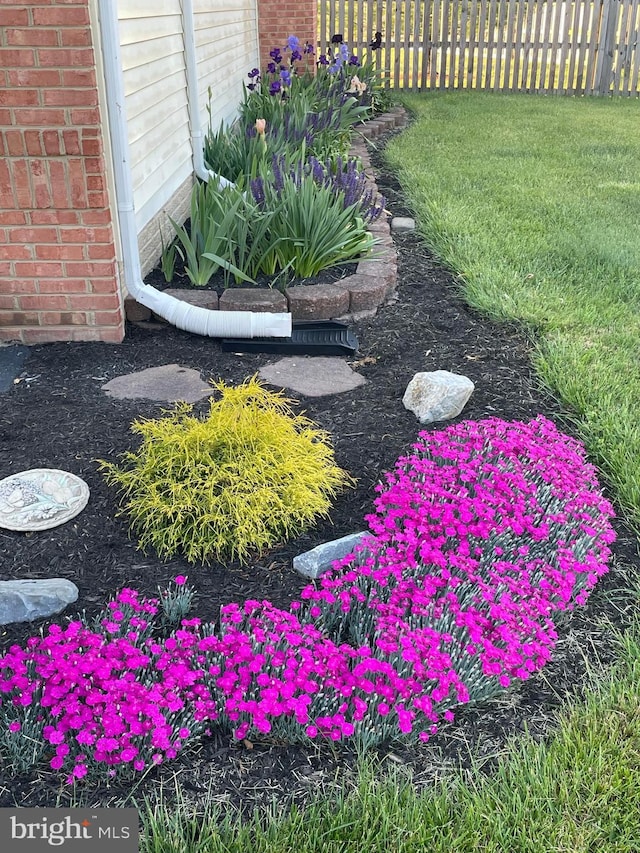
[(293, 43), (354, 60), (323, 60), (255, 72), (275, 54), (295, 55), (308, 48), (271, 68), (285, 76), (275, 87)]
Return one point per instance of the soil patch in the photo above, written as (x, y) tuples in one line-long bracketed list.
[(57, 416)]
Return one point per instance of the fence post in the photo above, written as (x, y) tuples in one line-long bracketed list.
[(606, 41)]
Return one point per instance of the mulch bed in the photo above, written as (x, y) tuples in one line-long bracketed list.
[(57, 416)]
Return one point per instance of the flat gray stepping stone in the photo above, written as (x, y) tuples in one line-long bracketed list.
[(169, 383), (313, 377), (403, 224), (12, 359)]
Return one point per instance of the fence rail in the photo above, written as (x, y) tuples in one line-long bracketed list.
[(548, 46)]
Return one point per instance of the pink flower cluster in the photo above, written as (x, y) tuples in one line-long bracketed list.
[(478, 537)]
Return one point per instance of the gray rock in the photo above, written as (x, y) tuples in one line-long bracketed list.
[(403, 224), (437, 396), (313, 563), (25, 600)]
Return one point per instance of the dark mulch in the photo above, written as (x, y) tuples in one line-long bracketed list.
[(57, 416)]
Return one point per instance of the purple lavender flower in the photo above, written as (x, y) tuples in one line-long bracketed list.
[(257, 190)]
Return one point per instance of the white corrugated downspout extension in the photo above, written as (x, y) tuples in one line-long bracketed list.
[(191, 318)]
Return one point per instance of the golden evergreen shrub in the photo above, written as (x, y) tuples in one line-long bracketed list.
[(249, 475)]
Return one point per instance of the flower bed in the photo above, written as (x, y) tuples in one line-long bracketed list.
[(479, 536)]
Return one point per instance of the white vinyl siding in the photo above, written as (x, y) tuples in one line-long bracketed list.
[(227, 49), (152, 48)]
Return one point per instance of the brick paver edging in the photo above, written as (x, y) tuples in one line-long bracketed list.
[(352, 298)]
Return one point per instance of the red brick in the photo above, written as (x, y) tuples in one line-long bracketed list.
[(22, 184), (91, 147), (75, 37), (59, 183), (34, 143), (110, 335), (40, 117), (13, 217), (77, 179), (62, 57), (94, 165), (16, 252), (60, 285), (71, 142), (15, 143), (66, 318), (34, 235), (5, 269), (14, 17), (96, 217), (43, 302), (18, 285), (33, 36), (44, 336), (90, 131), (62, 253), (71, 97), (103, 285), (108, 318), (54, 217), (41, 184), (19, 97), (67, 17), (101, 251), (79, 117), (34, 77), (17, 58), (97, 199), (19, 318), (86, 235), (51, 140), (38, 269), (95, 182), (8, 303), (93, 302), (89, 269), (76, 78)]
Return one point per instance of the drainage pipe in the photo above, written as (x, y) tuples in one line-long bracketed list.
[(191, 318), (193, 99)]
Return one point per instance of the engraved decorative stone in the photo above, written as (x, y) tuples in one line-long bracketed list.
[(41, 498)]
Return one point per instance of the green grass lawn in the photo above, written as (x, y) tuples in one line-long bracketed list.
[(535, 202)]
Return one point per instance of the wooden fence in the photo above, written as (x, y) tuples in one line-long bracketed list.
[(548, 46)]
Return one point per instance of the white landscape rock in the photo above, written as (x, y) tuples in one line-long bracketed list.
[(25, 600), (313, 563), (437, 396)]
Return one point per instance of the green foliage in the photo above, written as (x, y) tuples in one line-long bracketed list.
[(168, 258), (212, 220), (248, 476)]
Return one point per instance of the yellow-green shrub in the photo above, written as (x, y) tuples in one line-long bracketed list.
[(247, 476)]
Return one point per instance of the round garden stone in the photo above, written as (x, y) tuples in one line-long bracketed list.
[(41, 498)]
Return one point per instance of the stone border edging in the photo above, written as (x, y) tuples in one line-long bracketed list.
[(352, 298)]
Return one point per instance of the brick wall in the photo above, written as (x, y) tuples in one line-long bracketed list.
[(58, 278), (279, 19)]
